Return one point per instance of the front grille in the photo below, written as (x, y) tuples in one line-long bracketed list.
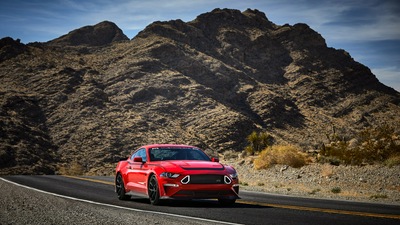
[(203, 194), (206, 179)]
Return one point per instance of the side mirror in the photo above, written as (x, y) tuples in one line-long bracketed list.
[(214, 159), (138, 159)]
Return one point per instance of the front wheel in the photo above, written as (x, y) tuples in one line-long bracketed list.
[(120, 188), (154, 194)]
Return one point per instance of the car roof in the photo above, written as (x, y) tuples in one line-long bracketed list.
[(168, 145)]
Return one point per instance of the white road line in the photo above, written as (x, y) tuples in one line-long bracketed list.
[(120, 207)]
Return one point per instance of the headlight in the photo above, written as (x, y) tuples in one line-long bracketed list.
[(233, 175), (169, 175)]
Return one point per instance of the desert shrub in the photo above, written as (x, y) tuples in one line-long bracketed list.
[(73, 169), (257, 142), (244, 183), (329, 159), (313, 192), (336, 190), (393, 161), (327, 171), (230, 155), (380, 143), (281, 154), (369, 146), (377, 196)]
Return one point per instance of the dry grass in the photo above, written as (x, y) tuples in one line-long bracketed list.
[(393, 161), (73, 169), (281, 154), (327, 170)]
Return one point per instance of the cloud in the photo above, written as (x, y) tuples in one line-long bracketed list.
[(364, 21)]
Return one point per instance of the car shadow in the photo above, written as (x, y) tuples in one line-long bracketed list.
[(209, 203)]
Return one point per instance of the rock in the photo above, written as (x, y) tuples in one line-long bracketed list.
[(283, 168), (10, 48)]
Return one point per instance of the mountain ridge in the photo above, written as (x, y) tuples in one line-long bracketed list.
[(100, 34), (209, 82)]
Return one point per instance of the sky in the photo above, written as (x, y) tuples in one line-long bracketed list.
[(368, 29)]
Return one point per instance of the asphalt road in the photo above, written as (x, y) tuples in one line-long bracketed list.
[(253, 208)]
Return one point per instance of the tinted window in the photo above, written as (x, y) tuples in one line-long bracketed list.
[(140, 153), (161, 154)]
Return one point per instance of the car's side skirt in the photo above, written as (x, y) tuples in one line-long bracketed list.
[(138, 194)]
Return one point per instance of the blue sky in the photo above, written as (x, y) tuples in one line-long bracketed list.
[(368, 29)]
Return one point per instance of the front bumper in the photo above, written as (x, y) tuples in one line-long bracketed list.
[(200, 191)]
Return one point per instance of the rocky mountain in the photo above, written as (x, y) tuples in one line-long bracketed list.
[(101, 34), (91, 96)]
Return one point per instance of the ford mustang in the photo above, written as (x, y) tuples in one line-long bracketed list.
[(169, 171)]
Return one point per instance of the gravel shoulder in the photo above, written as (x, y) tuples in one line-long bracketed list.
[(370, 183)]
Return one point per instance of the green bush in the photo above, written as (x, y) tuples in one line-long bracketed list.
[(257, 142), (336, 190), (313, 192), (377, 196)]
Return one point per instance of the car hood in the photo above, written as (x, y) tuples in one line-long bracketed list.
[(193, 165)]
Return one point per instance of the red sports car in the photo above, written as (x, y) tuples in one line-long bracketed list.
[(167, 171)]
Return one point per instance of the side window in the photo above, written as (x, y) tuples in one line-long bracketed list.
[(134, 155), (140, 153)]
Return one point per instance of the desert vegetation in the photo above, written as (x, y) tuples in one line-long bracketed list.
[(372, 145), (257, 141), (73, 169), (267, 154), (281, 154)]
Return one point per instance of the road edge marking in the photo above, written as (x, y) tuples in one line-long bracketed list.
[(119, 207)]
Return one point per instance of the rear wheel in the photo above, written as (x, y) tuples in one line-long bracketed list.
[(154, 193), (120, 188)]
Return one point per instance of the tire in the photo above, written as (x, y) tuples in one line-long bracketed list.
[(226, 202), (154, 193), (120, 188)]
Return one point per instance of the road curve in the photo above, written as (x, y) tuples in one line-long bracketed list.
[(253, 208)]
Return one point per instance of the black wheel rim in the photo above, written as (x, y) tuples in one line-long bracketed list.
[(153, 189), (119, 185)]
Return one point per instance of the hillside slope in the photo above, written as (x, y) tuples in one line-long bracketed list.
[(209, 82)]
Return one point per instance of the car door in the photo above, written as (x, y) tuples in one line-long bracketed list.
[(132, 171), (142, 172), (136, 172)]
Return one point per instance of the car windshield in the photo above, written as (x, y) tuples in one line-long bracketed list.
[(161, 154)]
